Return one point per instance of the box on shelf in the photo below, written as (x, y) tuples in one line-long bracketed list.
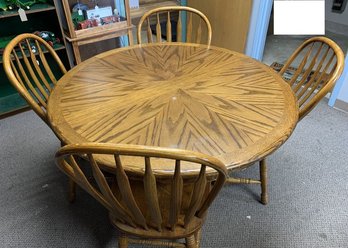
[(88, 23)]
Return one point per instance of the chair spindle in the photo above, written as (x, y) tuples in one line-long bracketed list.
[(127, 195), (149, 31), (179, 28), (46, 66), (27, 80), (307, 72), (169, 28), (151, 195), (32, 74), (35, 63), (197, 195), (189, 27), (314, 78), (194, 34), (199, 32), (158, 29), (176, 196)]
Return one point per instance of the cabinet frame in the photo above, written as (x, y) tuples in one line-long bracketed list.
[(10, 94), (94, 34)]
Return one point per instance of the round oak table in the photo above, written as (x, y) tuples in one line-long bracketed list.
[(177, 95)]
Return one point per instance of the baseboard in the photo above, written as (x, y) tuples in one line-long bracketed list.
[(14, 112), (336, 28), (341, 105)]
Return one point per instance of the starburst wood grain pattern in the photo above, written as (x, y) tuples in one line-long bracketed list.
[(177, 95)]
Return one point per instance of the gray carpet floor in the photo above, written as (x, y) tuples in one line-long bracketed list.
[(308, 189)]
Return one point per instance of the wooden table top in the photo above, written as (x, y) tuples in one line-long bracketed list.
[(177, 95)]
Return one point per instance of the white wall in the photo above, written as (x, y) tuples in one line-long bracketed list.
[(343, 93), (341, 18), (258, 26)]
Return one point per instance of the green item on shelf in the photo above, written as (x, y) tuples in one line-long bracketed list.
[(25, 4), (76, 18), (3, 4), (48, 36)]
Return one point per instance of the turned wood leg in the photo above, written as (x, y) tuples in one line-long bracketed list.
[(263, 179), (71, 185), (198, 236), (123, 241), (191, 242), (72, 190)]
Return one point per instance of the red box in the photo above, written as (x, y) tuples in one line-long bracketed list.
[(87, 24)]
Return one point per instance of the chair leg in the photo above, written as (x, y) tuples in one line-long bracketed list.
[(72, 190), (191, 242), (72, 185), (123, 241), (263, 179)]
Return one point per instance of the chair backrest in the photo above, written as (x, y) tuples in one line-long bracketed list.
[(28, 67), (173, 15), (312, 71), (122, 199)]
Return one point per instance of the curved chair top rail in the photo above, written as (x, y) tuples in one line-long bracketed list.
[(29, 70), (153, 218), (320, 63), (189, 27), (143, 151)]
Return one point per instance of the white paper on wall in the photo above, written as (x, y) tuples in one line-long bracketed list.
[(299, 17)]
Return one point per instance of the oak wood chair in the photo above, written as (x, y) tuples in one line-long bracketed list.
[(27, 67), (147, 207), (316, 65), (28, 61), (167, 15)]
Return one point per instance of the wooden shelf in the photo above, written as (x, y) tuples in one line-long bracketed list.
[(41, 7), (98, 31), (41, 17), (56, 47), (99, 35), (105, 33)]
